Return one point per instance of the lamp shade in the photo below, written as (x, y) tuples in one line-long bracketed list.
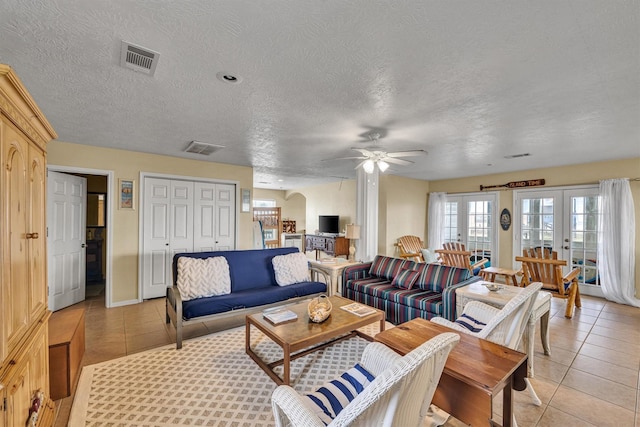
[(382, 165), (353, 232), (368, 166)]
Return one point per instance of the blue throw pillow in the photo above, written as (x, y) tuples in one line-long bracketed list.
[(332, 397), (470, 323)]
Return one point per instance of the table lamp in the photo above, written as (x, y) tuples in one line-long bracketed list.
[(353, 233)]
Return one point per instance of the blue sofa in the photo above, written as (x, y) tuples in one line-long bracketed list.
[(253, 288), (432, 292)]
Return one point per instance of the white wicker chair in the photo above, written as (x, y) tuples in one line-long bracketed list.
[(504, 326), (390, 399)]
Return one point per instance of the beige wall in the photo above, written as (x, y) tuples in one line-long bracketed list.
[(128, 165), (330, 199), (402, 211), (590, 173), (293, 205)]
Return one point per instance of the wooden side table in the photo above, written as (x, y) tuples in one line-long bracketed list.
[(476, 371), (489, 274), (66, 348), (541, 310), (334, 269)]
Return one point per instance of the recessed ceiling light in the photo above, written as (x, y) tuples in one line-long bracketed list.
[(281, 180), (225, 77)]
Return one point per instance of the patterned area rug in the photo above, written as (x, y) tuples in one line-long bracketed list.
[(209, 382)]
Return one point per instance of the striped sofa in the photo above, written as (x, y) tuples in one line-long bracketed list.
[(406, 289)]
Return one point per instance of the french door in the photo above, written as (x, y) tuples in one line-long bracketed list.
[(471, 219), (565, 221)]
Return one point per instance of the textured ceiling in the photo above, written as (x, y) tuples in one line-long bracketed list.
[(468, 81)]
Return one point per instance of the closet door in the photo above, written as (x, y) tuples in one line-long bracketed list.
[(214, 217), (167, 228), (226, 217), (204, 221)]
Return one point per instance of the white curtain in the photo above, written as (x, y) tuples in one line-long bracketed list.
[(616, 245), (436, 214)]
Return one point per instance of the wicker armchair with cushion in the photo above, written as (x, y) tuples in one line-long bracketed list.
[(384, 389)]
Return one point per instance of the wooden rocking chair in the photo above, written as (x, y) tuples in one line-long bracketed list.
[(454, 254), (411, 248), (540, 265)]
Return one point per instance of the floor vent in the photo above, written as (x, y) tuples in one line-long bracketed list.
[(138, 58), (203, 148)]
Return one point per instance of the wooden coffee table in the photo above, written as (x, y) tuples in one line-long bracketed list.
[(301, 337)]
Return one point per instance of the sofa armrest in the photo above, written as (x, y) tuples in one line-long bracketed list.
[(449, 297), (314, 274), (358, 271)]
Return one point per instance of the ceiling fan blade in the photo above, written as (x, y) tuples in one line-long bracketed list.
[(364, 151), (397, 161), (409, 153)]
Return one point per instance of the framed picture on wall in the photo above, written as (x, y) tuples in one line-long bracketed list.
[(126, 199)]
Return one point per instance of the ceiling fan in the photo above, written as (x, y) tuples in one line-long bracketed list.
[(373, 156)]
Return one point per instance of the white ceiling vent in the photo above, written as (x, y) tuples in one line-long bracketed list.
[(138, 58), (203, 148)]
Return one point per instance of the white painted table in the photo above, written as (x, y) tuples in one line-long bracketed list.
[(334, 269), (478, 292)]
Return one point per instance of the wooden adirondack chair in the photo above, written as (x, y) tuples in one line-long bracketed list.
[(411, 248), (454, 254), (540, 265)]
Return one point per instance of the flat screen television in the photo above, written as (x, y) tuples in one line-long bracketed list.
[(329, 224)]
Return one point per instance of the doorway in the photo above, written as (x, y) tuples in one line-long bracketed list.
[(96, 234)]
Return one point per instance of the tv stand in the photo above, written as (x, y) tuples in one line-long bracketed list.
[(332, 245)]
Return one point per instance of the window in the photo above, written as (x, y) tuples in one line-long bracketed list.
[(264, 203)]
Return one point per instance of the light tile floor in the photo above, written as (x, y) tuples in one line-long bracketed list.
[(591, 378)]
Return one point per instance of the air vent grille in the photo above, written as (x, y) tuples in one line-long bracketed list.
[(138, 58), (203, 148)]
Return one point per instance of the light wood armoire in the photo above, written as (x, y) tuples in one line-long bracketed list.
[(24, 350)]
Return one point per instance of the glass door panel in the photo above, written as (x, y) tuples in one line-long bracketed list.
[(470, 220)]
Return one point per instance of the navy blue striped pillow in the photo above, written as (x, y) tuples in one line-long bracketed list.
[(332, 397), (470, 323)]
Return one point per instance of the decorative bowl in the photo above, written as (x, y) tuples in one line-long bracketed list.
[(493, 287), (319, 309)]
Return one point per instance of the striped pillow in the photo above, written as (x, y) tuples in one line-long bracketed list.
[(387, 267), (405, 279), (470, 323), (334, 396)]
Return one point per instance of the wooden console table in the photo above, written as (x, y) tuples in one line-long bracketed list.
[(332, 245)]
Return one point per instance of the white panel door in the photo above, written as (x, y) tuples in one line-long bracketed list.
[(167, 230), (66, 221), (204, 221), (156, 243), (226, 217)]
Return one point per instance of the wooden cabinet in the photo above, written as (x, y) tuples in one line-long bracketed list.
[(24, 366), (334, 246)]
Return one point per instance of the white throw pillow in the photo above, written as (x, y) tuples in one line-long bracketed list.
[(429, 256), (203, 277), (291, 268)]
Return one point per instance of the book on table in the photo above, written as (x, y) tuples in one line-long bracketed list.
[(279, 315), (358, 309)]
